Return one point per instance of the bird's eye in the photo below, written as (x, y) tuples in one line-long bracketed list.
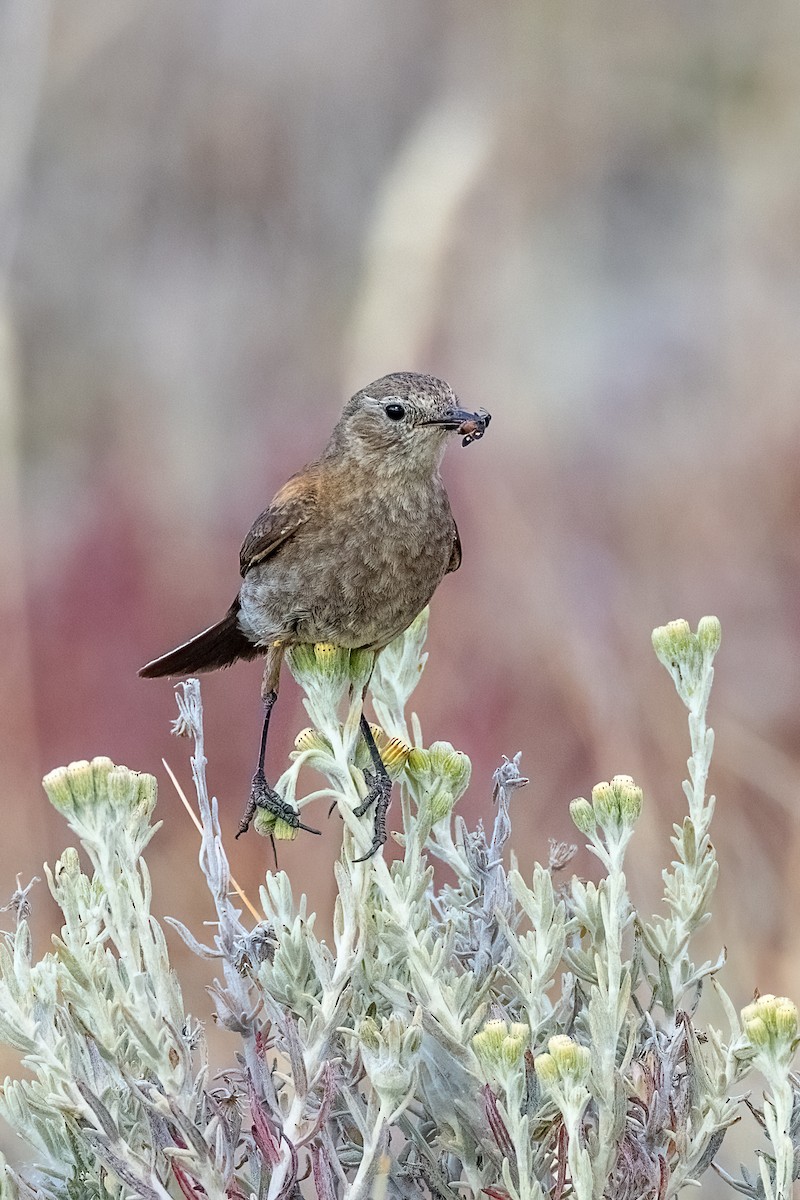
[(395, 412)]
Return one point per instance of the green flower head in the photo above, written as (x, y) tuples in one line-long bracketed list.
[(687, 656), (441, 775), (616, 805), (770, 1024)]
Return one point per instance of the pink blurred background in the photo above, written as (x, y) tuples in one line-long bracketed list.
[(217, 221)]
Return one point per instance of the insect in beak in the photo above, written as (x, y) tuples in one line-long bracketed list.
[(471, 426)]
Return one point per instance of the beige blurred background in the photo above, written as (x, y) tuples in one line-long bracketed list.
[(217, 220)]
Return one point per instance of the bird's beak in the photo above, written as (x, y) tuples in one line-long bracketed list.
[(472, 425)]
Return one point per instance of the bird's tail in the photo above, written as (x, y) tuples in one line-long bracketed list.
[(218, 646)]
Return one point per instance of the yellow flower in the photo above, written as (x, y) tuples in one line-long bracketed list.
[(312, 739), (394, 753)]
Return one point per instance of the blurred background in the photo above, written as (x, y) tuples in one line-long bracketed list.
[(217, 221)]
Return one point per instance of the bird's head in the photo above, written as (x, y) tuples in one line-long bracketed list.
[(404, 420)]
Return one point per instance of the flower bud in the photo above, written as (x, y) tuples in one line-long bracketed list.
[(79, 786), (418, 762), (785, 1018), (91, 794), (757, 1032), (709, 633), (572, 1060), (583, 817), (101, 769), (771, 1026), (302, 661), (604, 803), (514, 1045), (359, 668), (268, 824), (759, 1005), (127, 792), (147, 792), (368, 1034), (123, 789), (673, 640), (488, 1043), (321, 669), (564, 1074), (629, 798), (500, 1047), (326, 671), (685, 654), (439, 804), (58, 788), (451, 765), (389, 1053), (329, 660), (617, 804), (441, 775), (546, 1070), (68, 865)]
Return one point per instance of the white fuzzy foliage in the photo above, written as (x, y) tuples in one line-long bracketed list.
[(465, 1033)]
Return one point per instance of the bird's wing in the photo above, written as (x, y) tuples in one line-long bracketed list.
[(290, 508), (455, 553)]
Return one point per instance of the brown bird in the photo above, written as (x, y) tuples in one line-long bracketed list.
[(350, 551)]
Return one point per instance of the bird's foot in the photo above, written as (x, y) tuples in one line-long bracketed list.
[(264, 796), (379, 794)]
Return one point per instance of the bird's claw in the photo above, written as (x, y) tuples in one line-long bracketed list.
[(380, 790), (264, 796), (377, 842), (379, 794)]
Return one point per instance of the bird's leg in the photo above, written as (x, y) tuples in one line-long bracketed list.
[(259, 788), (261, 794), (264, 796), (269, 704), (379, 794)]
